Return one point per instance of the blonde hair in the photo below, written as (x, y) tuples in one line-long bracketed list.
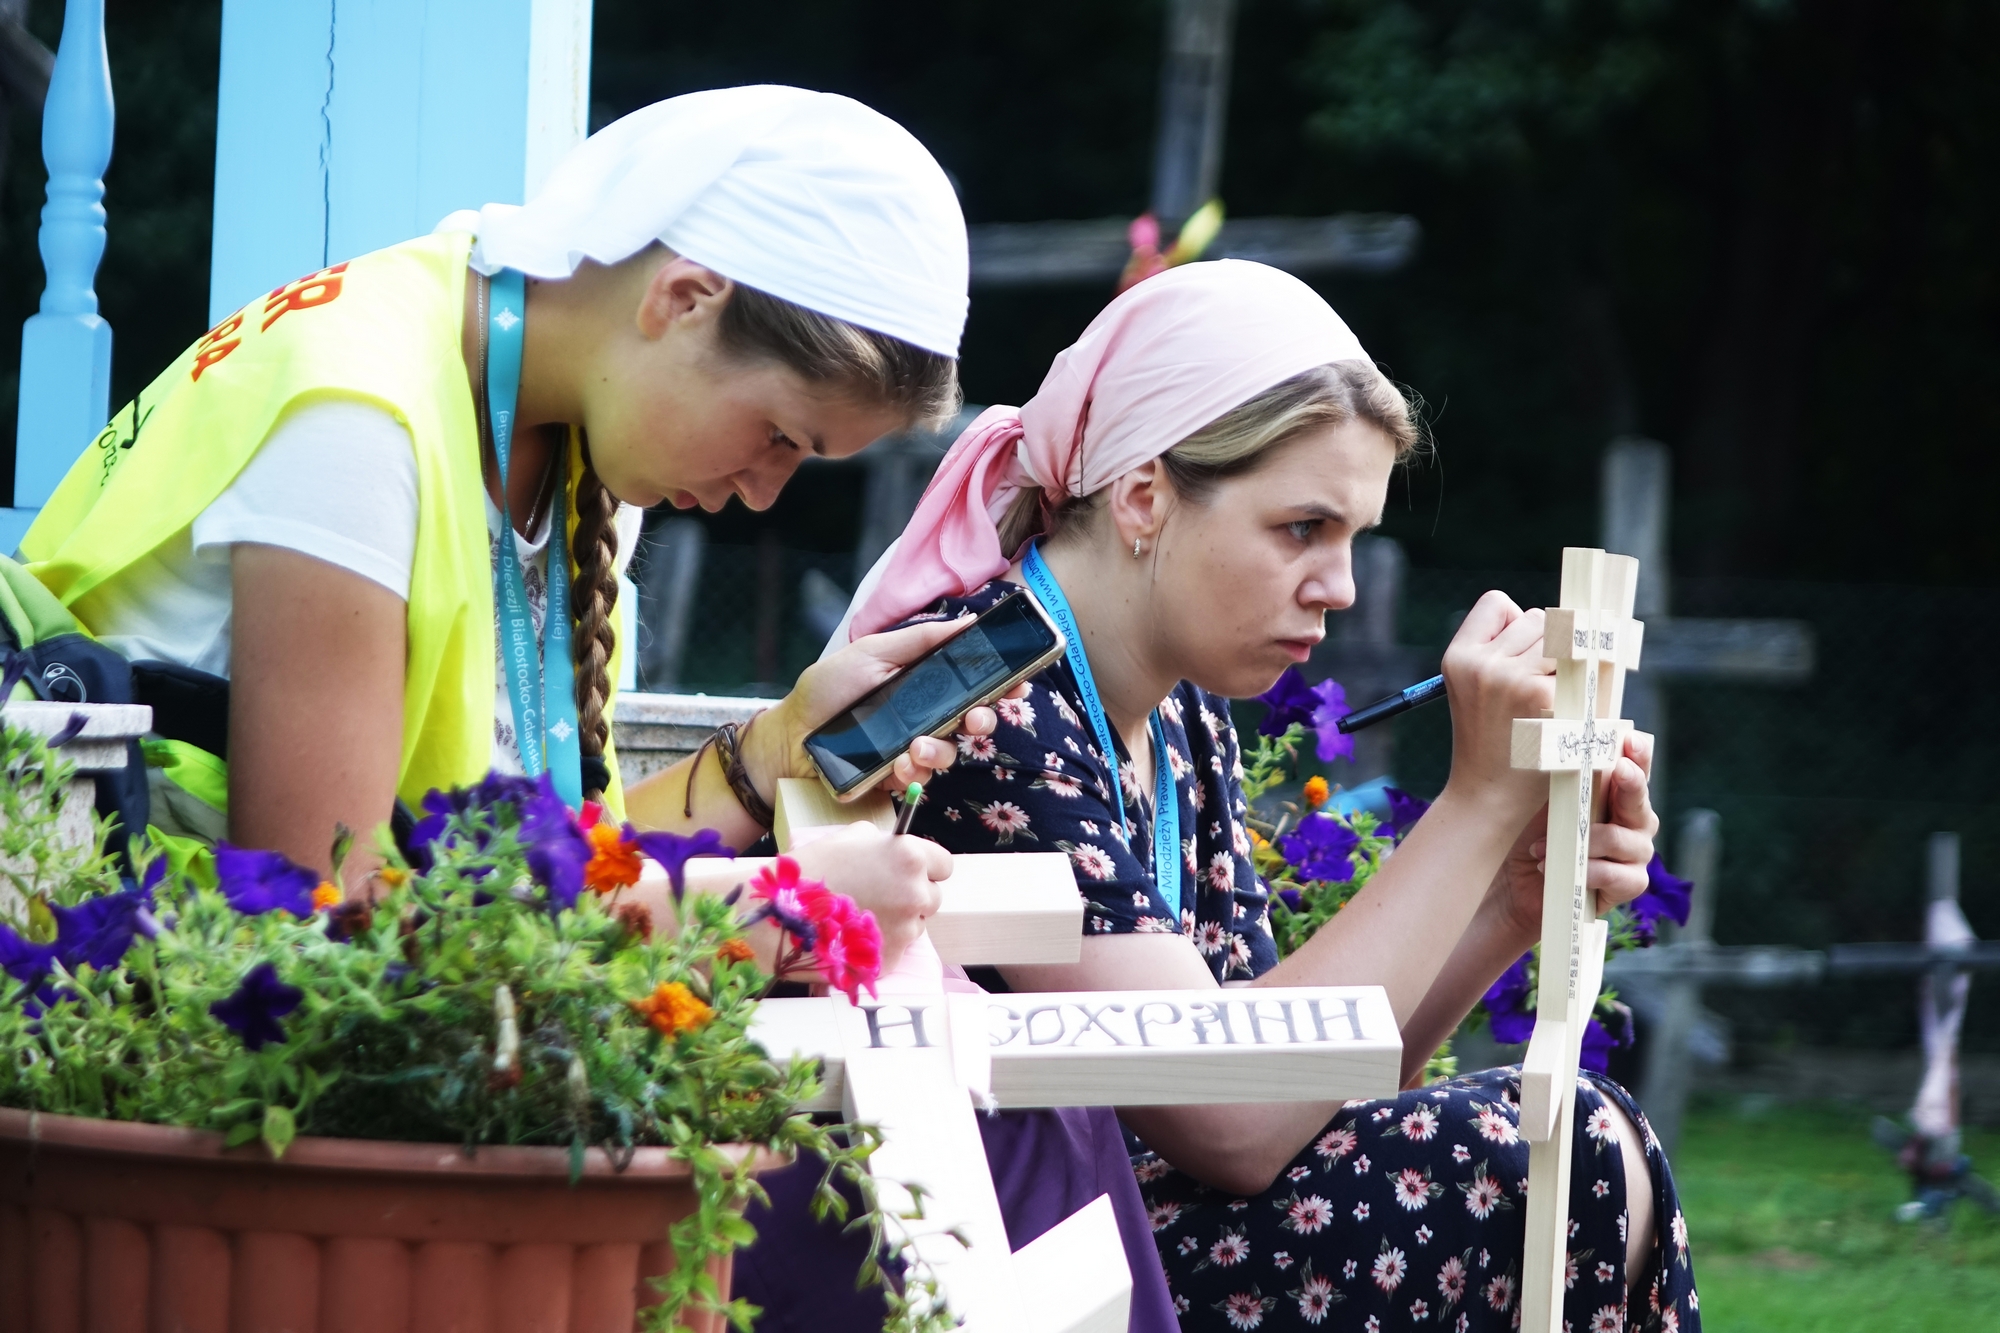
[(1240, 441), (825, 352)]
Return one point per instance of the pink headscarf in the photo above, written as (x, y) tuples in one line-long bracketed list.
[(1159, 363)]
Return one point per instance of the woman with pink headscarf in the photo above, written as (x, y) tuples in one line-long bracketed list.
[(1184, 492)]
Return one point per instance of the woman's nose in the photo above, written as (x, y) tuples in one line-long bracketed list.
[(1329, 590), (759, 486)]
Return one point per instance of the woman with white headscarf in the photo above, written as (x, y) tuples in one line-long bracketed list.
[(361, 539)]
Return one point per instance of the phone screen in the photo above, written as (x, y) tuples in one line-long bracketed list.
[(1006, 639)]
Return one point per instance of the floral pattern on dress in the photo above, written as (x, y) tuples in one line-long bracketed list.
[(1408, 1213), (1041, 783)]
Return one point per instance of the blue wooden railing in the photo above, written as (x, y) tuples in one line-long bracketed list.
[(66, 347)]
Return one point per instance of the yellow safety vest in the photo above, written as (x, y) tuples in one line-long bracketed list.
[(384, 329)]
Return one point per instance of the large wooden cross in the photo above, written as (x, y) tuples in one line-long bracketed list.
[(1595, 641), (921, 1065)]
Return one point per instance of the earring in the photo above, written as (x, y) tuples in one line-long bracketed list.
[(1135, 548)]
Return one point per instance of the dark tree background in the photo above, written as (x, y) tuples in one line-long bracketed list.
[(1759, 230)]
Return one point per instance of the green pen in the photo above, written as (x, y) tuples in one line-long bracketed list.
[(914, 794)]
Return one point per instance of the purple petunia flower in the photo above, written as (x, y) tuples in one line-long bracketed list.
[(1597, 1043), (1404, 812), (1666, 895), (1319, 707), (557, 851), (1290, 898), (97, 932), (1333, 742), (24, 960), (674, 852), (256, 882), (1288, 700), (1320, 847), (252, 1013), (1506, 1005)]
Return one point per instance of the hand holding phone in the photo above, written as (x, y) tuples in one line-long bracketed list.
[(1005, 645)]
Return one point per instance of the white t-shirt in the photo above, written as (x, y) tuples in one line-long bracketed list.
[(335, 480)]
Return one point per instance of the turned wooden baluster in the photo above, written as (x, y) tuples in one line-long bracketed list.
[(66, 347)]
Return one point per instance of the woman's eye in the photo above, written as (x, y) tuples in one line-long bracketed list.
[(1303, 529), (779, 437)]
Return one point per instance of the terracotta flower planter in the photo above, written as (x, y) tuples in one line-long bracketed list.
[(112, 1227)]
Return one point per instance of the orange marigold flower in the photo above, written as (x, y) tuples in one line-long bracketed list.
[(1316, 791), (673, 1008), (736, 951), (393, 876), (614, 859), (326, 895)]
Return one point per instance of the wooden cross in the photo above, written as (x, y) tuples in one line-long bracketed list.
[(913, 1064), (1594, 641)]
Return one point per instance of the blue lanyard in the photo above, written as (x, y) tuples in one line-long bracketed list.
[(1166, 799), (543, 699)]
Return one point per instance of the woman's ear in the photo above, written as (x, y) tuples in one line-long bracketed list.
[(1139, 503), (678, 290)]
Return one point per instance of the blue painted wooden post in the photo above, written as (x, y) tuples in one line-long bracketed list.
[(346, 125), (66, 347)]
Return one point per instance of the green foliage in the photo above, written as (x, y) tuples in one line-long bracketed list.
[(36, 863), (459, 1007), (1275, 761)]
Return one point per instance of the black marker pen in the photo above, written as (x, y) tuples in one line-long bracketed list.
[(1401, 702)]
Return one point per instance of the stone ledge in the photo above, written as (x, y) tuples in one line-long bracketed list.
[(101, 745), (656, 731)]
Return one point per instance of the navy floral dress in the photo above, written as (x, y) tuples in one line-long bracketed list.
[(1405, 1212)]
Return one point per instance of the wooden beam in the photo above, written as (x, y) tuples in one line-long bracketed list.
[(1123, 1048), (1027, 254), (1773, 652)]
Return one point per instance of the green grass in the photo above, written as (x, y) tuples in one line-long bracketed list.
[(1790, 1215)]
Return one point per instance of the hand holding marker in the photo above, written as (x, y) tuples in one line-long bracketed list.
[(914, 794), (1400, 702)]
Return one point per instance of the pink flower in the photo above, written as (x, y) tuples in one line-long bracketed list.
[(1495, 1127), (1315, 1297), (1163, 1215), (977, 747), (1413, 1189), (1232, 1249), (1483, 1194), (1500, 1292), (1016, 712), (1004, 818), (1389, 1268), (1309, 1214), (1451, 1280), (844, 940), (1420, 1124), (1608, 1319), (1093, 861), (1419, 1311), (1222, 872), (1335, 1144), (1246, 1309)]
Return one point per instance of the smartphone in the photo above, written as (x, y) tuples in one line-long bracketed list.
[(1007, 643)]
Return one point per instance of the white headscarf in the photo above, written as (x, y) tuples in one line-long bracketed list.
[(811, 197)]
